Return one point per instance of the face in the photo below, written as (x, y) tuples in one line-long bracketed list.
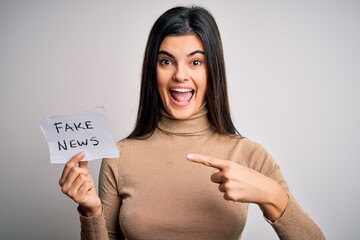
[(181, 75)]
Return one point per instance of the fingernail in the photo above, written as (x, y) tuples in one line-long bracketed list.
[(82, 154), (190, 157)]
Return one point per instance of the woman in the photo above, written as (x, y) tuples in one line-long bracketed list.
[(159, 187)]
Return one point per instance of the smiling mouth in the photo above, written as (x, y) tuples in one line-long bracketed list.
[(181, 95)]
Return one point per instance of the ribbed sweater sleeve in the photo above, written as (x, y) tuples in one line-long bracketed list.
[(93, 228), (294, 224), (106, 226)]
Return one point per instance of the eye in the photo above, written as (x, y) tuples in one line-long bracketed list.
[(196, 62), (165, 61)]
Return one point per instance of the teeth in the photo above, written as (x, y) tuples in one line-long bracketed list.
[(181, 90)]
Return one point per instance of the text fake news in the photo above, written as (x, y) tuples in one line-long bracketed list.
[(64, 145)]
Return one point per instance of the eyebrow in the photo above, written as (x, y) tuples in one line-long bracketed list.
[(188, 55)]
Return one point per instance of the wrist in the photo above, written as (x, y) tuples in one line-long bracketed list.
[(90, 212), (276, 203)]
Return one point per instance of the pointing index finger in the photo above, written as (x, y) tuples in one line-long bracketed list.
[(208, 161)]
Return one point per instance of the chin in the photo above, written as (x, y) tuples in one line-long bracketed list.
[(180, 114)]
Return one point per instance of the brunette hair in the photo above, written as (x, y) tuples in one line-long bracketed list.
[(181, 21)]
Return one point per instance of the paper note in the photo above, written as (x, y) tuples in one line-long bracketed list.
[(87, 131)]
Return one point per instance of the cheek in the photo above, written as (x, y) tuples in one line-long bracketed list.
[(160, 90), (161, 77), (159, 80), (161, 84), (202, 83)]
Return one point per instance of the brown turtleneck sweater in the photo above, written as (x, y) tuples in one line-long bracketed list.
[(152, 192)]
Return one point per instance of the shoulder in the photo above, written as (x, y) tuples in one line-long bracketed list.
[(131, 143), (253, 155), (247, 147)]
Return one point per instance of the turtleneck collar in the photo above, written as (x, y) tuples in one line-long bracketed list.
[(191, 126)]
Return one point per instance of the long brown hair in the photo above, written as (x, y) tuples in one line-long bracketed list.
[(181, 21)]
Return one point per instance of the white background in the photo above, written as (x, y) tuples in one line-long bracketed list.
[(294, 79)]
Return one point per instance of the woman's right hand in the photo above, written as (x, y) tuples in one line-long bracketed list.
[(77, 183)]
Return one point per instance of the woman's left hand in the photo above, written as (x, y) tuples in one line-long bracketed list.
[(242, 184)]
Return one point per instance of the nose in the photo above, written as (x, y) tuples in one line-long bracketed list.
[(180, 74)]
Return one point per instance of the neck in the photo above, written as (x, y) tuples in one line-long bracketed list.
[(194, 125)]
